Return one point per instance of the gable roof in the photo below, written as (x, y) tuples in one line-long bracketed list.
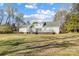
[(48, 24), (52, 24), (25, 25)]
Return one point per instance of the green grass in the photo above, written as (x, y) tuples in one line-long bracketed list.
[(40, 44)]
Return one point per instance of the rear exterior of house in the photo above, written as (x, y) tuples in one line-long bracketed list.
[(24, 28), (53, 30), (39, 27), (51, 27)]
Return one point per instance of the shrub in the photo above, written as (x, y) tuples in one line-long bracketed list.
[(5, 29)]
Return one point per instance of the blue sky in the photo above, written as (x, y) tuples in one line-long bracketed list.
[(39, 10)]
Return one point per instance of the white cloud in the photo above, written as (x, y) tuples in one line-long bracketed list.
[(5, 13), (42, 15), (26, 16), (51, 3), (45, 12), (31, 6), (53, 8)]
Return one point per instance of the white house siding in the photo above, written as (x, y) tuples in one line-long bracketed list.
[(51, 30), (56, 30), (47, 29), (41, 30), (23, 30), (33, 29), (39, 25)]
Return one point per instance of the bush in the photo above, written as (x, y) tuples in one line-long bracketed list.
[(5, 29)]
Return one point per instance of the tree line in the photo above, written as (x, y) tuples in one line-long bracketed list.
[(9, 16), (69, 20)]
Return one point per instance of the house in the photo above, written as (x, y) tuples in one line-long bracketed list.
[(51, 27), (24, 28), (41, 27)]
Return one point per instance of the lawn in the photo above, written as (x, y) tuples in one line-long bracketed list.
[(39, 44)]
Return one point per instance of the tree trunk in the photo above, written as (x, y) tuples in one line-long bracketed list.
[(7, 19), (18, 26), (75, 29)]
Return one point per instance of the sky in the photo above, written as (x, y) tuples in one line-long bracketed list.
[(39, 11)]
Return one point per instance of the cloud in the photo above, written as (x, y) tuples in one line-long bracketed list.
[(53, 8), (45, 12), (51, 3), (31, 6), (41, 15)]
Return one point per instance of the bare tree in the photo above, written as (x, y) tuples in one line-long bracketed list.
[(10, 10), (19, 20), (1, 15)]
